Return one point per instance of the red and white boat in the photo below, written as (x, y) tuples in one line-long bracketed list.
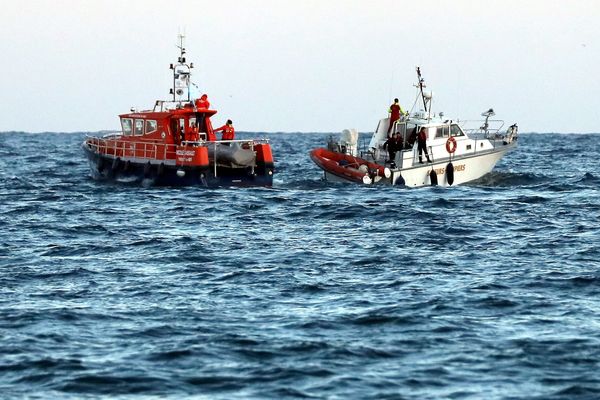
[(456, 152), (348, 167), (174, 143)]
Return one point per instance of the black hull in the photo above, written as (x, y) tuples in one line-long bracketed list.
[(159, 174)]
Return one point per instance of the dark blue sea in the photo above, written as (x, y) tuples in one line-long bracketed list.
[(309, 289)]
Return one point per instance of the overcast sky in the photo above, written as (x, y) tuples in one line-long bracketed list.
[(301, 66)]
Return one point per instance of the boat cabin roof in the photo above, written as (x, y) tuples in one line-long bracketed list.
[(181, 112)]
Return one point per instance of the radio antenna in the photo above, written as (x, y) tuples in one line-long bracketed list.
[(421, 86)]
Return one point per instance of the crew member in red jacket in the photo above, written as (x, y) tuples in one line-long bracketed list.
[(202, 103), (395, 112), (422, 144), (194, 133), (228, 131)]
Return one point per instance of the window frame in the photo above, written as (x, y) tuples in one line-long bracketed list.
[(135, 128), (125, 133), (150, 122), (442, 132), (460, 131)]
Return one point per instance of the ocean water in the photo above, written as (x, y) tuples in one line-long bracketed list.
[(309, 289)]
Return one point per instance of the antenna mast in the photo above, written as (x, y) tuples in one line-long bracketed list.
[(181, 74), (181, 48), (421, 86)]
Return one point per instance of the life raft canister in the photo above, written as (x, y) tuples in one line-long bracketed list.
[(451, 145)]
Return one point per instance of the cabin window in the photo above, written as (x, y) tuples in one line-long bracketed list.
[(150, 126), (442, 132), (139, 127), (456, 131), (126, 124)]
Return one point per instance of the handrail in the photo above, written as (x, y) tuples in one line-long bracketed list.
[(482, 129), (109, 145), (205, 142)]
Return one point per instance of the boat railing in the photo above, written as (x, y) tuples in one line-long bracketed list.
[(250, 142), (165, 105), (111, 146), (482, 128), (110, 135)]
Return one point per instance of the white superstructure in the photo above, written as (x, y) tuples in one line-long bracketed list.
[(457, 153)]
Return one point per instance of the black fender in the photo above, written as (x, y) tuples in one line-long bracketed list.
[(161, 170), (100, 164), (115, 164), (450, 173), (433, 177), (147, 169), (400, 181), (114, 167)]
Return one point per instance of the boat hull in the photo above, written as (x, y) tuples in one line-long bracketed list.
[(166, 173), (463, 169)]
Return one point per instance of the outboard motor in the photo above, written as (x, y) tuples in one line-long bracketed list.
[(349, 141), (347, 144)]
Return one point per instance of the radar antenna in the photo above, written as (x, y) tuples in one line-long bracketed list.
[(487, 114)]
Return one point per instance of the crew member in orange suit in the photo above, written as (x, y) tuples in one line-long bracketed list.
[(202, 103), (228, 131), (194, 135)]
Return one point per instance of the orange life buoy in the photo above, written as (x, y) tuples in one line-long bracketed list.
[(451, 145)]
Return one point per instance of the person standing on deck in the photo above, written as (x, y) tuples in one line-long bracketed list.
[(202, 103), (399, 142), (228, 131), (392, 147), (395, 111), (422, 144), (194, 133)]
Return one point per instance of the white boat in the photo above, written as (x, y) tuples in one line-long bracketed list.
[(458, 151)]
